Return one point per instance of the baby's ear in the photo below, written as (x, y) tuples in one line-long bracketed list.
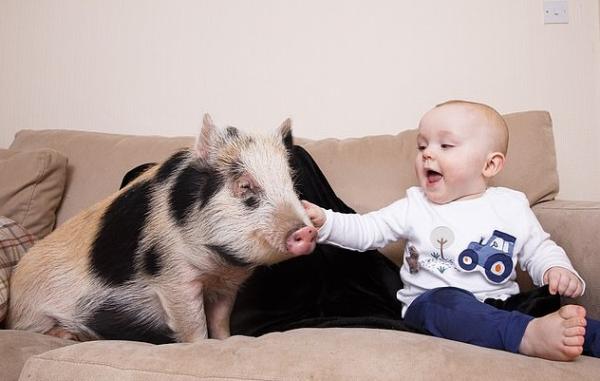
[(493, 164)]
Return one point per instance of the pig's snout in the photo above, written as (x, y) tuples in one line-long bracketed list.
[(302, 241)]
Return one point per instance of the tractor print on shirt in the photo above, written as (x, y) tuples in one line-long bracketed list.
[(494, 258)]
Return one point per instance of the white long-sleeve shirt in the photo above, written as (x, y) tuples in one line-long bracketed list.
[(472, 244)]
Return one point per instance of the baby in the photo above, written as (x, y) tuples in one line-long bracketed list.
[(464, 239)]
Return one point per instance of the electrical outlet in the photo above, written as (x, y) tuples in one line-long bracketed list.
[(556, 12)]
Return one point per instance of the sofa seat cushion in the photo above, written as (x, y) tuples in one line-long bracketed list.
[(305, 354), (32, 187), (14, 243)]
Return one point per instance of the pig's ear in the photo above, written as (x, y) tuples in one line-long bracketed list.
[(285, 131), (206, 138)]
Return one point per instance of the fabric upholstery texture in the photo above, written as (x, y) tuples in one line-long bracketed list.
[(16, 347), (32, 187), (333, 354), (14, 243)]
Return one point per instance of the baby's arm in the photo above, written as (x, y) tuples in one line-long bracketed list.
[(563, 282), (359, 232)]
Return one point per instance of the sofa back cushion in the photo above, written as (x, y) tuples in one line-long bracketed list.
[(31, 187), (367, 173), (371, 172)]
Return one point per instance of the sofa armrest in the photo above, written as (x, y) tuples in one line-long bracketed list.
[(574, 225)]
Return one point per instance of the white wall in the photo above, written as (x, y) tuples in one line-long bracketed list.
[(339, 68)]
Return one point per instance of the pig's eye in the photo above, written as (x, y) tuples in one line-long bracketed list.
[(244, 187), (248, 193)]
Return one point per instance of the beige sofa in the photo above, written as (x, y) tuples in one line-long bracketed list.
[(382, 165)]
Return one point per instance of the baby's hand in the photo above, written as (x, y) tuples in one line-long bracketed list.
[(315, 213), (563, 281)]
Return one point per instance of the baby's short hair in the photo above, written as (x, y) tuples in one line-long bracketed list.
[(493, 118)]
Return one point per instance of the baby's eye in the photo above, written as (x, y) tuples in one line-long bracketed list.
[(420, 147), (446, 146)]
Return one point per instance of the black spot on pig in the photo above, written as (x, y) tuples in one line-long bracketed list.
[(232, 132), (135, 173), (115, 244), (152, 261), (170, 165), (115, 321), (228, 256), (194, 187)]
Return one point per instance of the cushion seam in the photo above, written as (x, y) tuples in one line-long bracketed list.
[(87, 362)]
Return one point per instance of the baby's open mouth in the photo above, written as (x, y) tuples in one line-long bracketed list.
[(433, 176)]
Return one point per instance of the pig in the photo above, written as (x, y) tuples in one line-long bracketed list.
[(162, 259)]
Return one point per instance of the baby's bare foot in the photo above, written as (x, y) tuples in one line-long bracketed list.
[(556, 336)]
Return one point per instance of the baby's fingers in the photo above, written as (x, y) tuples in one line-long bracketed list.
[(306, 204), (314, 212), (563, 284), (310, 208), (574, 289), (553, 279)]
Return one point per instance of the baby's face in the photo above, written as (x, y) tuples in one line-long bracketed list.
[(453, 148)]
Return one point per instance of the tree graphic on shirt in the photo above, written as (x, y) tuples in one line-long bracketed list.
[(441, 237)]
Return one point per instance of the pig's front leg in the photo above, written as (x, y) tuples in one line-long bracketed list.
[(218, 309), (184, 306)]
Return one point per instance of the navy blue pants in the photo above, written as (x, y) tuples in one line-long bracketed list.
[(455, 314)]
